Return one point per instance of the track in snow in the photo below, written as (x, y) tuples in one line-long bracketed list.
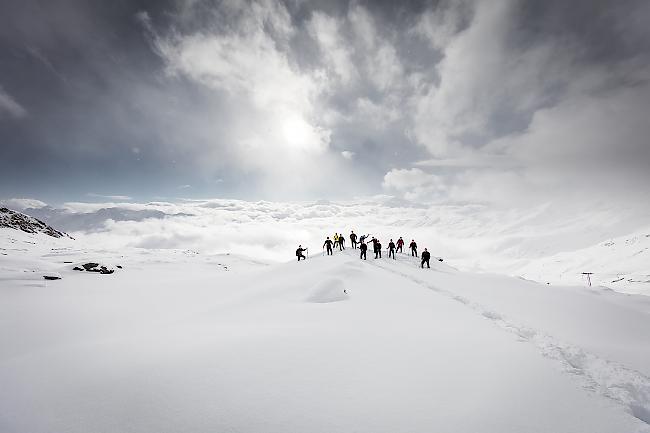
[(627, 387)]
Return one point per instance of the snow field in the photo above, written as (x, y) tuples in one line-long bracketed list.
[(175, 342)]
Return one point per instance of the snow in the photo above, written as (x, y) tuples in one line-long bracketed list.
[(329, 290), (179, 340), (620, 263), (545, 243)]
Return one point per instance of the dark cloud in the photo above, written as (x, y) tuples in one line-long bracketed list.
[(321, 98)]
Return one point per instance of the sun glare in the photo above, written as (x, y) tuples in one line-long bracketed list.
[(297, 132)]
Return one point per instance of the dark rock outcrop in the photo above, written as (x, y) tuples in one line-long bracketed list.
[(19, 221), (94, 267)]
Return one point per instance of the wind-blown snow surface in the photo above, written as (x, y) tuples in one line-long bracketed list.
[(183, 341)]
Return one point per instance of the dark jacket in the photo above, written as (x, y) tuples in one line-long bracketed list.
[(426, 255)]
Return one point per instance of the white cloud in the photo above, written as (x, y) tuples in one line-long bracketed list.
[(440, 25), (489, 84), (505, 125), (275, 129), (326, 30), (110, 197), (22, 203), (414, 184), (347, 154), (9, 106), (380, 61), (468, 236), (469, 160)]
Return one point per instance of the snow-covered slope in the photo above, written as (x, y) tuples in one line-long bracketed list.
[(547, 243), (19, 221), (182, 341), (621, 263)]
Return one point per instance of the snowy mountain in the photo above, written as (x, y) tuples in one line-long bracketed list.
[(19, 221), (177, 340), (621, 263), (95, 219), (545, 243)]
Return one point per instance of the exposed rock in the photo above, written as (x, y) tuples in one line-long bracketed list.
[(51, 277), (94, 267), (101, 270), (19, 221)]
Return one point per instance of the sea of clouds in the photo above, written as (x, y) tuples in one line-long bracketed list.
[(468, 236)]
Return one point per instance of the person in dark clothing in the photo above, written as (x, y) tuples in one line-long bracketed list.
[(374, 241), (341, 242), (391, 249), (400, 244), (377, 248), (426, 255), (364, 248), (328, 244), (353, 240), (299, 253), (414, 248), (363, 238)]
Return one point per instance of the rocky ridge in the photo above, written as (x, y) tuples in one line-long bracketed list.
[(19, 221)]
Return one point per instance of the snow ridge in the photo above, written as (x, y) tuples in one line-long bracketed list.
[(625, 386), (19, 221)]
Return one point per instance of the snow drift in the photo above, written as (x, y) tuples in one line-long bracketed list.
[(330, 290), (181, 341)]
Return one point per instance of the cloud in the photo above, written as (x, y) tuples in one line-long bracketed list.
[(539, 101), (110, 197), (22, 203), (470, 160), (9, 106), (414, 184), (440, 25), (275, 101), (336, 52), (468, 236), (515, 117), (604, 149), (465, 106)]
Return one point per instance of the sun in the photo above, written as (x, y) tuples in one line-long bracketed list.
[(297, 132)]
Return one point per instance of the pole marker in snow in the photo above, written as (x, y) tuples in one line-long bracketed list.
[(588, 274)]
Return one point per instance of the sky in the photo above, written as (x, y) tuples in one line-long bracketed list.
[(503, 103)]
